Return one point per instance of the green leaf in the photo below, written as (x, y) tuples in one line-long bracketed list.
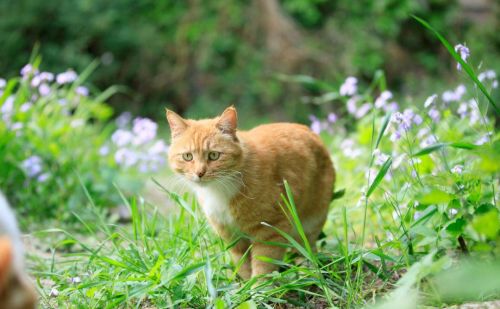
[(429, 149), (387, 118), (247, 305), (381, 173), (434, 196), (487, 224), (338, 194), (456, 228)]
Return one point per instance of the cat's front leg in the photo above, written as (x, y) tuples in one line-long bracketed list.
[(237, 253), (260, 267)]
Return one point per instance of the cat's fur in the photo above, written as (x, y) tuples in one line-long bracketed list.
[(16, 289), (242, 188)]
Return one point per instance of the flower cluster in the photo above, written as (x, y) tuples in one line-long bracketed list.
[(317, 126), (137, 146), (33, 167)]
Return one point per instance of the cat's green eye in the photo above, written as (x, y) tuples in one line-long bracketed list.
[(187, 156), (213, 155)]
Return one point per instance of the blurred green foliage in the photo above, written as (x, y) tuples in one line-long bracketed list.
[(197, 55)]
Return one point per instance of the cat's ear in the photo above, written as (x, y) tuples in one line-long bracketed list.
[(177, 124), (5, 260), (228, 121)]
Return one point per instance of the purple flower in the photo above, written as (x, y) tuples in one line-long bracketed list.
[(351, 105), (43, 177), (417, 119), (348, 149), (391, 107), (66, 77), (144, 130), (104, 150), (126, 157), (381, 101), (363, 110), (454, 95), (124, 119), (462, 110), (484, 139), (83, 91), (32, 166), (332, 118), (26, 70), (158, 148), (349, 87), (2, 83), (44, 90), (121, 137), (464, 53), (430, 100), (379, 157), (434, 114), (8, 106), (54, 292), (316, 127)]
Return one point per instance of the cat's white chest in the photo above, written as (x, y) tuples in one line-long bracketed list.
[(215, 201)]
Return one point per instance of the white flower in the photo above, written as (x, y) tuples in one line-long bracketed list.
[(83, 91), (464, 53), (32, 166), (434, 114), (457, 169), (430, 100), (124, 119), (27, 69), (126, 157), (380, 157), (104, 150), (76, 280), (349, 87), (351, 105), (144, 130), (25, 107), (159, 147), (2, 83), (8, 105)]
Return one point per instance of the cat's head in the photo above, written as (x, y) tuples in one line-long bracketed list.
[(204, 151), (16, 290)]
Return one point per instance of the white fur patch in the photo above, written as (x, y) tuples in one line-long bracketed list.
[(214, 199)]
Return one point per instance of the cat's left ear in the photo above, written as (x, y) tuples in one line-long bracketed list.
[(228, 121), (176, 122)]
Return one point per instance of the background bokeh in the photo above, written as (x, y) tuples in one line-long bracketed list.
[(197, 57)]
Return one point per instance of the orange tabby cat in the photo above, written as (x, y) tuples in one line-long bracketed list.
[(238, 179), (16, 290)]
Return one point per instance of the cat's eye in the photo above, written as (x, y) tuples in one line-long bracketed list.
[(213, 155), (187, 156)]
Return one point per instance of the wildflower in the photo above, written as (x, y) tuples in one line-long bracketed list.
[(32, 166), (494, 85), (16, 126), (3, 83), (124, 119), (380, 157), (158, 147), (104, 150), (434, 115), (349, 87), (43, 177), (453, 212), (430, 100), (332, 118), (44, 90), (391, 107), (66, 77), (77, 123), (144, 130), (396, 135), (489, 74), (8, 105), (464, 54), (25, 107), (454, 95), (363, 110), (76, 280), (351, 105), (457, 169), (430, 140), (381, 101), (417, 215), (26, 70), (462, 110), (398, 160), (417, 119), (315, 124), (348, 149), (54, 292), (126, 157), (121, 137), (83, 91), (484, 139)]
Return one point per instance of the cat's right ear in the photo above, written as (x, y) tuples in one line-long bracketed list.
[(5, 260), (177, 124)]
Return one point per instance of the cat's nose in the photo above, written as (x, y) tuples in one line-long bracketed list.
[(200, 173)]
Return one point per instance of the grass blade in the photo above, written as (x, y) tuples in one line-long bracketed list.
[(379, 177)]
